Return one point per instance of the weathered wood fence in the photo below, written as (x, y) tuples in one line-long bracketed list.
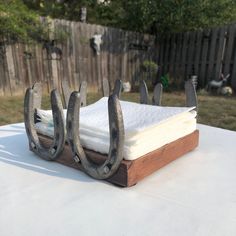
[(122, 53), (206, 53)]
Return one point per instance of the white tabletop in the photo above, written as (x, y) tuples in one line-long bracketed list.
[(194, 195)]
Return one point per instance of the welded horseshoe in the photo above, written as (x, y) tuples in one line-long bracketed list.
[(191, 95), (83, 93), (38, 90), (105, 88), (143, 93), (157, 94), (54, 150), (116, 126), (117, 88), (66, 91)]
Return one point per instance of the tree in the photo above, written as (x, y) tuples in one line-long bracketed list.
[(17, 22), (151, 16), (157, 16), (99, 13)]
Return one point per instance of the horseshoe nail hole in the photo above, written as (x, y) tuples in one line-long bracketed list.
[(53, 150), (56, 120), (114, 133), (71, 142), (106, 169), (77, 159), (81, 104), (33, 146), (113, 153), (69, 125), (109, 165), (113, 125)]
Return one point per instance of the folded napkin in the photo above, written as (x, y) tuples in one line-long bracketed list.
[(146, 127)]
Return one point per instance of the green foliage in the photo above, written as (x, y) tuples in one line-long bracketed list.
[(157, 16), (149, 66), (165, 80), (67, 9), (17, 22), (189, 15), (149, 72), (60, 33), (171, 84), (152, 16), (111, 14)]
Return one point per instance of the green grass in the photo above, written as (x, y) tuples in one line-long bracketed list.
[(213, 110)]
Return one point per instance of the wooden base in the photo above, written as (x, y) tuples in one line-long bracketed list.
[(131, 172)]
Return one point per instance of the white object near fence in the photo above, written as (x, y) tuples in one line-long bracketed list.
[(96, 42)]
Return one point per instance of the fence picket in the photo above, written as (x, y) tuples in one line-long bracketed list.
[(198, 53), (212, 54), (229, 49), (220, 52), (165, 64), (160, 53), (177, 63), (205, 46), (184, 55), (190, 54), (172, 54), (205, 53), (233, 73)]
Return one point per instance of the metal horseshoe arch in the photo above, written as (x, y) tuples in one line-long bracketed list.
[(191, 95), (31, 102), (116, 127)]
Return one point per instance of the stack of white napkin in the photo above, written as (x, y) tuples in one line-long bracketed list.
[(147, 127)]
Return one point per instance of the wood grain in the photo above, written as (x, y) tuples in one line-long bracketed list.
[(131, 172), (205, 53)]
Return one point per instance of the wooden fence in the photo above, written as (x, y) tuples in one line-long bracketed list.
[(206, 53), (122, 53)]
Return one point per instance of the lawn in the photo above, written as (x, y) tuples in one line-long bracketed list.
[(213, 110)]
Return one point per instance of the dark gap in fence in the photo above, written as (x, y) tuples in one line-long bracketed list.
[(206, 54)]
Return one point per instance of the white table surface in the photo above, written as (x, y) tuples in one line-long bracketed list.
[(194, 195)]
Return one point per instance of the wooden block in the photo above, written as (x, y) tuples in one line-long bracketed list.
[(131, 172)]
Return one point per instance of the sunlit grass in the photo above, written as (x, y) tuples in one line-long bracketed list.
[(213, 110)]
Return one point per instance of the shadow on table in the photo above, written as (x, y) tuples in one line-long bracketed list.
[(14, 151), (13, 128)]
